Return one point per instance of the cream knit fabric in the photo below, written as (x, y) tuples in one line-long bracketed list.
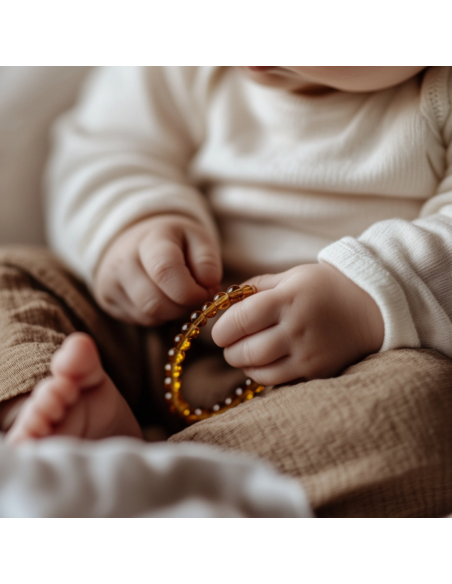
[(362, 181)]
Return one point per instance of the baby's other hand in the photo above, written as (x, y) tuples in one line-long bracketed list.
[(309, 322), (157, 269)]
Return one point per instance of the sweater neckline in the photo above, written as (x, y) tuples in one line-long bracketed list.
[(282, 106)]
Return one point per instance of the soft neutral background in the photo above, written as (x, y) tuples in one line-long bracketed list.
[(30, 99)]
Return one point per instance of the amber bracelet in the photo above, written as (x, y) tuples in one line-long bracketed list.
[(182, 343)]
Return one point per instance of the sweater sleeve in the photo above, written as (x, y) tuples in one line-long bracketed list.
[(407, 268), (122, 155)]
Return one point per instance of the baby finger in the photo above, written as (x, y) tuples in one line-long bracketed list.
[(149, 302), (165, 265), (117, 304), (256, 314), (258, 350), (280, 371)]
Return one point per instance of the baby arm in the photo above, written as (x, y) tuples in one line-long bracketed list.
[(121, 207), (309, 322), (387, 289), (404, 267)]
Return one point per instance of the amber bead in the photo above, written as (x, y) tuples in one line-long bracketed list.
[(173, 369), (248, 291), (190, 330), (182, 343), (209, 309), (176, 356), (222, 300), (235, 293), (177, 370), (198, 318)]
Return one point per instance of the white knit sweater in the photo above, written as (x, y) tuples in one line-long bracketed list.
[(362, 181)]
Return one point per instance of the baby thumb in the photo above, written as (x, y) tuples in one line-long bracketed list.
[(264, 282)]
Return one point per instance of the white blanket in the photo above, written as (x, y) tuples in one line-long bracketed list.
[(122, 477)]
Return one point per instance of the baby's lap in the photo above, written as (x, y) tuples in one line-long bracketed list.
[(27, 267), (389, 399), (386, 390), (41, 303)]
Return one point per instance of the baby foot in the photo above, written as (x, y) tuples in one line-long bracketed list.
[(79, 399)]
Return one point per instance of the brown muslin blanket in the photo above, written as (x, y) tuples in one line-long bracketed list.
[(373, 442)]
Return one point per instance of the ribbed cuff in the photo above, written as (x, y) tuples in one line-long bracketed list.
[(355, 261)]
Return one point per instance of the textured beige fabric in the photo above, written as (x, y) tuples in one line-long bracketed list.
[(375, 442), (40, 304)]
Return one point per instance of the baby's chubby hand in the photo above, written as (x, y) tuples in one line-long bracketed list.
[(158, 268), (309, 322)]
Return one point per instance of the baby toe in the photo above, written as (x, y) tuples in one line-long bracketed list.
[(49, 401)]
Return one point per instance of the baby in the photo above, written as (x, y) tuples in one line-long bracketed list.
[(334, 182)]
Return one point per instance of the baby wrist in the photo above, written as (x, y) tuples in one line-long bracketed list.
[(355, 261)]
